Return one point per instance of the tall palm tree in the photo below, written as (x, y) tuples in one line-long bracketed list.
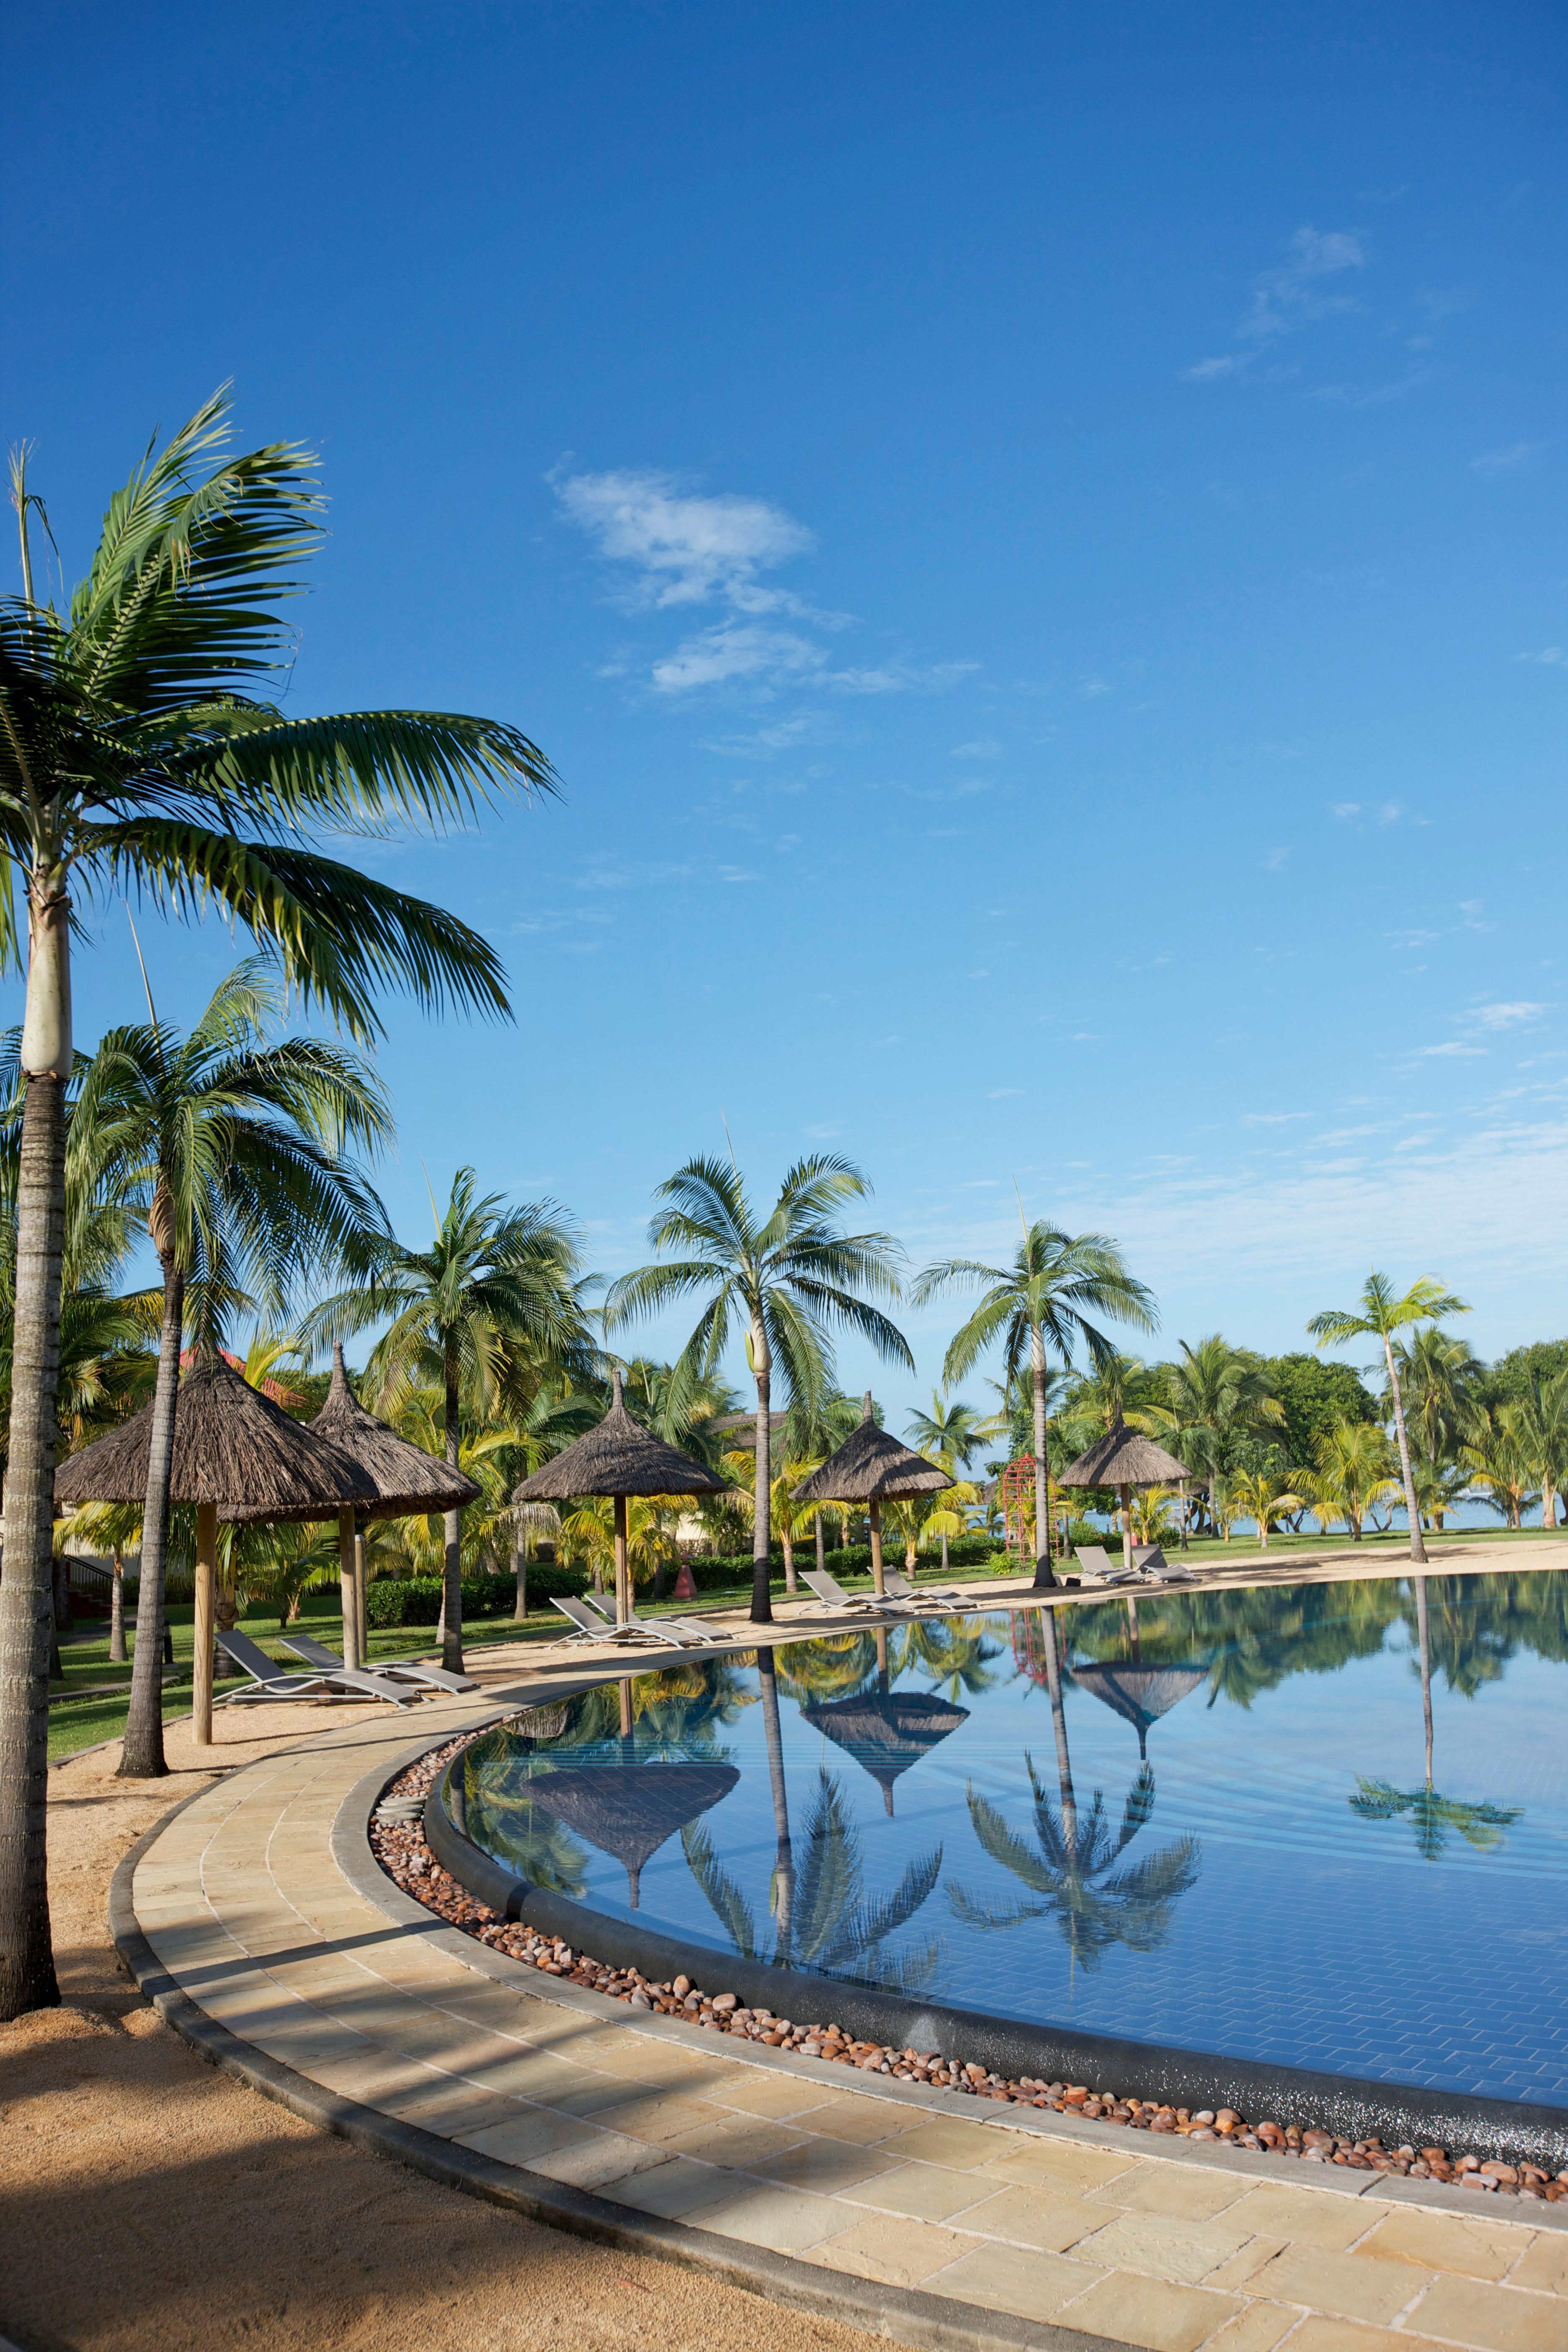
[(235, 1149), (1043, 1298), (1215, 1397), (1378, 1317), (786, 1280), (1497, 1457), (1439, 1386), (498, 1287), (137, 749)]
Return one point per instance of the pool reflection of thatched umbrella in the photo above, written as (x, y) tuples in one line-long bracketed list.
[(1124, 1458), (629, 1809), (406, 1481), (873, 1468), (1140, 1695), (887, 1731), (618, 1458), (242, 1461)]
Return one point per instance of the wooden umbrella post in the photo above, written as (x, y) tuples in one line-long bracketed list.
[(362, 1607), (876, 1518), (1126, 1524), (623, 1570), (346, 1585), (206, 1613)]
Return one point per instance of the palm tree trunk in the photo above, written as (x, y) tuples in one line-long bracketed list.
[(142, 1750), (452, 1566), (821, 1546), (1417, 1548), (787, 1537), (117, 1611), (768, 1686), (519, 1606), (874, 1529), (204, 1613), (762, 1563), (1045, 1576), (27, 1612), (944, 1551)]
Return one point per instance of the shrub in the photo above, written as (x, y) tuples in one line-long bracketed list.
[(731, 1570), (416, 1600)]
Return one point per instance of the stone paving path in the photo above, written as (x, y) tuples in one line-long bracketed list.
[(261, 1902)]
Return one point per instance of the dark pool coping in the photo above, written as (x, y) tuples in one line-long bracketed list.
[(933, 2322), (1351, 2108)]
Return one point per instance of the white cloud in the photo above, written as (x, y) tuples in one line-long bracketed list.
[(1548, 657), (688, 548), (736, 650), (1518, 458), (1273, 1117), (1506, 1016), (1209, 370), (1452, 1051), (985, 747), (1273, 859), (1285, 300), (1344, 809)]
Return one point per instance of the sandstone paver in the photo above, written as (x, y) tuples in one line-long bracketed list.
[(1444, 2241), (897, 2251), (1494, 2319), (1033, 2216), (1161, 2245), (1013, 2278), (1354, 2286), (1162, 2317), (926, 2193)]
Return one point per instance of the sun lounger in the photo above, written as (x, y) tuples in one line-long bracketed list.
[(940, 1599), (1155, 1568), (394, 1670), (831, 1594), (337, 1682), (591, 1628), (680, 1633), (1095, 1562)]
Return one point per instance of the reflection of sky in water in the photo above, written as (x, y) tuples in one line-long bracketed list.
[(1231, 1898)]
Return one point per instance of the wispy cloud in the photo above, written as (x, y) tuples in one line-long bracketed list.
[(1358, 813), (1454, 1050), (1297, 294), (1517, 457), (1548, 657), (985, 747), (685, 547), (1507, 1016)]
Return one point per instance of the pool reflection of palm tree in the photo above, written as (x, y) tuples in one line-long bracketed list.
[(1431, 1816), (832, 1926), (1071, 1870)]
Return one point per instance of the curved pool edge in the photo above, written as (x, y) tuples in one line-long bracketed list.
[(1351, 2108)]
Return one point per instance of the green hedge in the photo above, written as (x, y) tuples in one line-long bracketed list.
[(416, 1600), (728, 1570)]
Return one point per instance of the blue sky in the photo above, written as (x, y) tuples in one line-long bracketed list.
[(1034, 536)]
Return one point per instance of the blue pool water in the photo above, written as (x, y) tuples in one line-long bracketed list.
[(1222, 1838)]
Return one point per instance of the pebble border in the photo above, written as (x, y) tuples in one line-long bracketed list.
[(397, 1840)]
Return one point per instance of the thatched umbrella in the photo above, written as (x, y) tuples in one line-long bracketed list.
[(887, 1731), (629, 1809), (1123, 1457), (406, 1478), (618, 1458), (240, 1459), (1140, 1695), (873, 1468)]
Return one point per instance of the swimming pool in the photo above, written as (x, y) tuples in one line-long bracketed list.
[(1321, 1827)]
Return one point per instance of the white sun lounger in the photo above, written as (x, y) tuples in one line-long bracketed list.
[(1155, 1568), (591, 1628), (680, 1632), (943, 1600), (831, 1594), (336, 1682), (395, 1670), (1095, 1562)]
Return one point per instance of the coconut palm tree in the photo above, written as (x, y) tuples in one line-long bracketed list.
[(1439, 1386), (1497, 1458), (1352, 1475), (1542, 1424), (1216, 1399), (234, 1149), (137, 749), (1379, 1316), (952, 1434), (1258, 1496), (1044, 1297), (499, 1288), (786, 1280)]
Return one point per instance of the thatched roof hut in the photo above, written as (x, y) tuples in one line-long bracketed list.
[(739, 1430), (619, 1457), (234, 1449), (887, 1731), (629, 1809), (1140, 1695), (406, 1478), (871, 1466), (1123, 1457)]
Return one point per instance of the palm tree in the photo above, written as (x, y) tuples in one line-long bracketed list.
[(1215, 1397), (785, 1280), (1258, 1494), (1542, 1421), (1379, 1316), (1439, 1386), (1497, 1456), (1352, 1475), (1044, 1296), (499, 1287), (136, 750), (950, 1435), (234, 1149)]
